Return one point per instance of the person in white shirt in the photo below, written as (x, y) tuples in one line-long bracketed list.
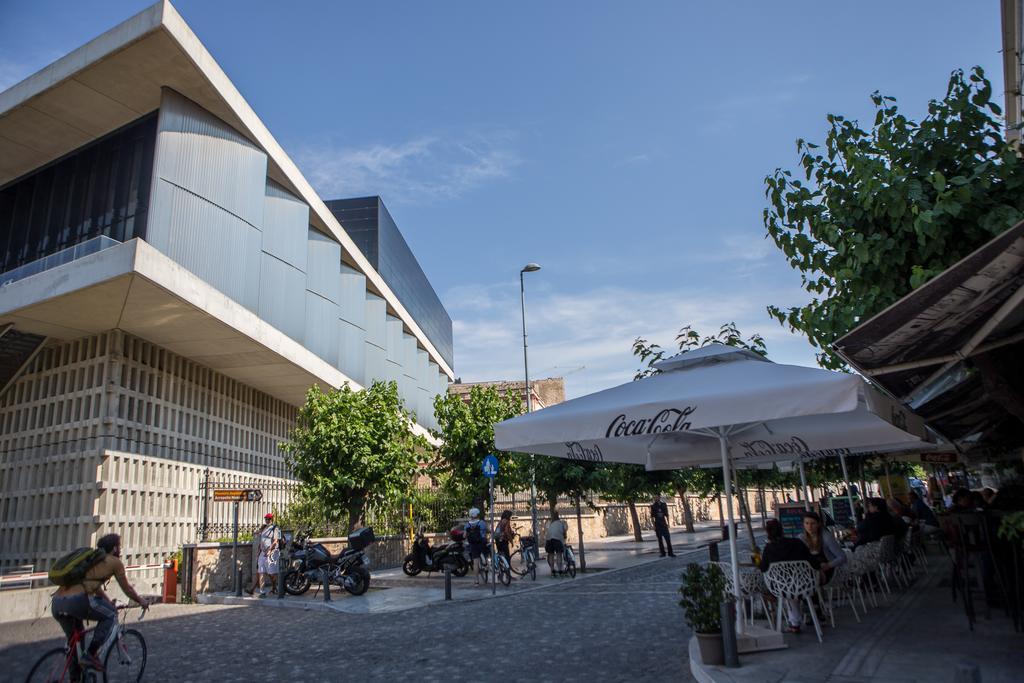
[(555, 544), (269, 553)]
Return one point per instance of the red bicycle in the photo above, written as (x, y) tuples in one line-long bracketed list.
[(123, 656)]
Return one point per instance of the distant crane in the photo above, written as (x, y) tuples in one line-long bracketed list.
[(572, 370)]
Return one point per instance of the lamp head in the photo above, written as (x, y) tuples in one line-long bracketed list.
[(530, 268)]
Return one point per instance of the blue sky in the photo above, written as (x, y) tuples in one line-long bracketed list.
[(622, 146)]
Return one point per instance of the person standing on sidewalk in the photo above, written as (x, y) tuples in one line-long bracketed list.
[(269, 554), (554, 547), (659, 515)]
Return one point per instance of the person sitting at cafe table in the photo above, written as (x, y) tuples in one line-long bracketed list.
[(782, 549), (924, 515), (826, 554), (877, 523)]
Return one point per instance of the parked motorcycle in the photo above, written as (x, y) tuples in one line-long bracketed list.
[(425, 558), (348, 569)]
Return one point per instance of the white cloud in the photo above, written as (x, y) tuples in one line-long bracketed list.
[(596, 328), (419, 170)]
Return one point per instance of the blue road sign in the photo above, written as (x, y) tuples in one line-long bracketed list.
[(490, 467)]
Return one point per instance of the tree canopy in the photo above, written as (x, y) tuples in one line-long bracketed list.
[(467, 434), (351, 449), (878, 212)]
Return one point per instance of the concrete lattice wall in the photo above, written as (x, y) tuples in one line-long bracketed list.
[(111, 433)]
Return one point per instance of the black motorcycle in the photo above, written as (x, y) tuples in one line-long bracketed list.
[(348, 569), (424, 558)]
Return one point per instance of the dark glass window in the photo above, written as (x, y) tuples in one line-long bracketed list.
[(369, 224), (99, 189)]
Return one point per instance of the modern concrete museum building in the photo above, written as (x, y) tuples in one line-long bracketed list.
[(170, 288)]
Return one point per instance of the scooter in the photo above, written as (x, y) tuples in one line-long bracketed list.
[(451, 555)]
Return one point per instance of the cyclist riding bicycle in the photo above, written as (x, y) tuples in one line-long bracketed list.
[(87, 600)]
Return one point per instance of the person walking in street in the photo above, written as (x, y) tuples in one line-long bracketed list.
[(659, 515), (269, 554), (476, 538), (554, 546)]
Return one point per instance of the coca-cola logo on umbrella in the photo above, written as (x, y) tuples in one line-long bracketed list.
[(793, 446), (577, 451), (662, 422)]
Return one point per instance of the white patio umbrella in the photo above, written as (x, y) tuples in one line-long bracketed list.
[(717, 403)]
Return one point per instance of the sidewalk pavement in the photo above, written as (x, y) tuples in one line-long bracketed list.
[(392, 591), (918, 635)]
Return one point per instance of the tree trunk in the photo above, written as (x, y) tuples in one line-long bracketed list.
[(579, 531), (356, 510), (635, 518), (687, 510), (745, 510), (721, 517), (764, 504)]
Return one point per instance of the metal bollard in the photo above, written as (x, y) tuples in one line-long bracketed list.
[(447, 583), (727, 612), (326, 583), (280, 576), (713, 551)]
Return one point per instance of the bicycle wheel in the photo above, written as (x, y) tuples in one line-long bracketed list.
[(52, 667), (126, 659), (532, 569), (570, 568), (513, 561), (504, 572)]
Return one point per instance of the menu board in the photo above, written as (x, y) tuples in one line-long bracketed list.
[(839, 508), (792, 517)]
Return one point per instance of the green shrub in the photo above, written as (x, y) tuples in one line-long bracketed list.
[(703, 590)]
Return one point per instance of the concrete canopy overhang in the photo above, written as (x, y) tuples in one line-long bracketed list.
[(135, 288), (116, 78)]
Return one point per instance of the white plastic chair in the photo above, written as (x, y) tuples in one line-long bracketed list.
[(752, 589), (876, 574), (794, 581), (889, 561), (844, 583)]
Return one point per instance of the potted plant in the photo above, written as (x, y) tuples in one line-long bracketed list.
[(702, 593)]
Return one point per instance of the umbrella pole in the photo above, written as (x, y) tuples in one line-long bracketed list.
[(733, 554), (849, 491), (803, 486)]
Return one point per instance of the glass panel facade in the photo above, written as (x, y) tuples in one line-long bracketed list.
[(99, 189), (368, 223)]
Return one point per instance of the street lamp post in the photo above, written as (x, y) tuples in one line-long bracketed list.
[(529, 268)]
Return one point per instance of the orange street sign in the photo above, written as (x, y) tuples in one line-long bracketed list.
[(237, 495)]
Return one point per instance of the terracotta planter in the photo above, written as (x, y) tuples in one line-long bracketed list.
[(712, 649)]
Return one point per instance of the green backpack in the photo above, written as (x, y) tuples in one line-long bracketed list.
[(70, 569)]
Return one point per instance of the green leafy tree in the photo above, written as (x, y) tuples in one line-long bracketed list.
[(352, 449), (467, 435), (687, 339), (878, 212)]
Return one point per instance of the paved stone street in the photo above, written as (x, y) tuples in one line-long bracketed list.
[(611, 626)]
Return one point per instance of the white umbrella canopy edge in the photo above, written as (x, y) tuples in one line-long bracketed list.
[(691, 398)]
